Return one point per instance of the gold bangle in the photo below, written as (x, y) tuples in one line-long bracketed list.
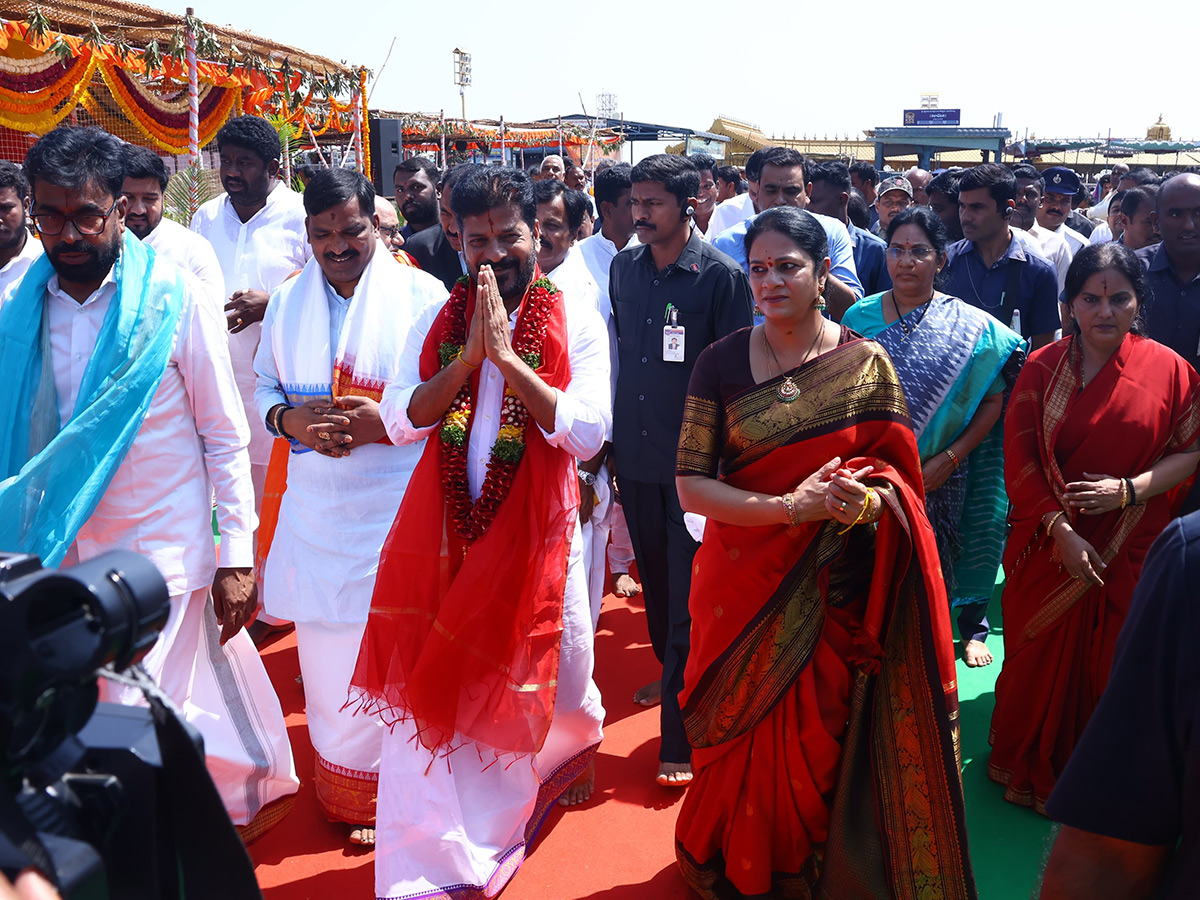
[(953, 458), (1124, 494), (861, 512), (459, 357), (1053, 520), (876, 505), (789, 506)]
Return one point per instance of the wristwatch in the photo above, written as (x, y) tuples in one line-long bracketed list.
[(587, 478)]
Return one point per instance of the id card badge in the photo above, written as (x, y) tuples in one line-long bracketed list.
[(673, 336)]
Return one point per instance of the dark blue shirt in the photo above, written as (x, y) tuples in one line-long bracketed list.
[(966, 277), (712, 295), (1172, 312), (870, 260), (1135, 774)]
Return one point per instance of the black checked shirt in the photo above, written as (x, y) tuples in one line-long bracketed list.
[(713, 298)]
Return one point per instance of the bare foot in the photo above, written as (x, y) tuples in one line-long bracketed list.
[(674, 774), (976, 654), (363, 835), (581, 788), (650, 695), (624, 586)]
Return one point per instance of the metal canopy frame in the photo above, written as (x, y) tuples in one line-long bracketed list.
[(924, 141), (639, 131)]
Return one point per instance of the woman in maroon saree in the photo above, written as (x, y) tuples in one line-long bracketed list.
[(820, 694), (1099, 449)]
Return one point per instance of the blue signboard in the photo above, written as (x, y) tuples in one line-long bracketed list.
[(932, 116)]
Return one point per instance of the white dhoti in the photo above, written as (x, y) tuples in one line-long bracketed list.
[(620, 549), (595, 542), (224, 692), (347, 746), (460, 826)]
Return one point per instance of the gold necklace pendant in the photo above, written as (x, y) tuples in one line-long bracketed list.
[(787, 390)]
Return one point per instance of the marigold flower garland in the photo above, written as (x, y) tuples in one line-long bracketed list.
[(472, 520)]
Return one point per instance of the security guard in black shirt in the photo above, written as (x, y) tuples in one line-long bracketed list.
[(672, 297)]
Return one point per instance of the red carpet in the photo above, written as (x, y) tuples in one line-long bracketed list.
[(618, 846)]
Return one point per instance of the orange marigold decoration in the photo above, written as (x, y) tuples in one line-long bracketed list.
[(41, 110), (365, 140), (165, 122)]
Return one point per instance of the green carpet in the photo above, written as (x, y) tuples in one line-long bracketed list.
[(1008, 843)]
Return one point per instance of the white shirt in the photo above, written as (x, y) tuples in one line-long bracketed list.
[(255, 255), (19, 264), (598, 253), (1075, 240), (190, 448), (582, 413), (731, 212), (1054, 248), (337, 512), (1102, 234), (574, 279), (194, 255)]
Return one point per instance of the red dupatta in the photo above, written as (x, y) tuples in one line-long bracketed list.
[(464, 639)]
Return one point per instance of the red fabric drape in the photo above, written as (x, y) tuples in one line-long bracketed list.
[(465, 640), (1060, 633)]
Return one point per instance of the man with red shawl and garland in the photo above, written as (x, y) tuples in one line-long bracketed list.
[(478, 650)]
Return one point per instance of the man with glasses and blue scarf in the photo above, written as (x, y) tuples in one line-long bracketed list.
[(124, 425)]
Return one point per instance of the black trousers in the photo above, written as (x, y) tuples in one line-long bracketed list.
[(664, 550), (972, 621)]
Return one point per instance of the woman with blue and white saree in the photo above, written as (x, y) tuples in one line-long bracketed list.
[(956, 364)]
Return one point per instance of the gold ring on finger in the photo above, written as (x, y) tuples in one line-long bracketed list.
[(842, 508), (323, 435), (239, 321)]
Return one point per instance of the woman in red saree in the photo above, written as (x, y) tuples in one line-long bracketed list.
[(820, 695), (1099, 448)]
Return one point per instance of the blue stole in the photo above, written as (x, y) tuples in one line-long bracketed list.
[(52, 478)]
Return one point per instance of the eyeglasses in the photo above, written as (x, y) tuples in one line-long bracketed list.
[(389, 230), (916, 254), (85, 223)]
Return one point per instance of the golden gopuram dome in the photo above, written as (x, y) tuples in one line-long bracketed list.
[(1159, 131)]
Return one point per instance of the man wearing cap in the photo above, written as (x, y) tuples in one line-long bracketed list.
[(1058, 203), (895, 195)]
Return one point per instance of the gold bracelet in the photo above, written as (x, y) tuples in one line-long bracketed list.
[(1053, 520), (861, 512), (789, 505), (953, 458), (459, 357), (876, 505), (1124, 494)]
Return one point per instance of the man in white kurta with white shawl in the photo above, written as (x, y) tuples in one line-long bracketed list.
[(124, 426), (336, 333), (479, 647)]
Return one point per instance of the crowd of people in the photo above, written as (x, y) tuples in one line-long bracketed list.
[(808, 411)]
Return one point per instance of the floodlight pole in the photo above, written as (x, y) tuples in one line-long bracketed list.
[(462, 78)]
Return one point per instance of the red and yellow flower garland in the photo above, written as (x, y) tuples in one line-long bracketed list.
[(472, 519), (41, 110)]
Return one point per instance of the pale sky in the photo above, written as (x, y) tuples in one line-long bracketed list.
[(788, 72)]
